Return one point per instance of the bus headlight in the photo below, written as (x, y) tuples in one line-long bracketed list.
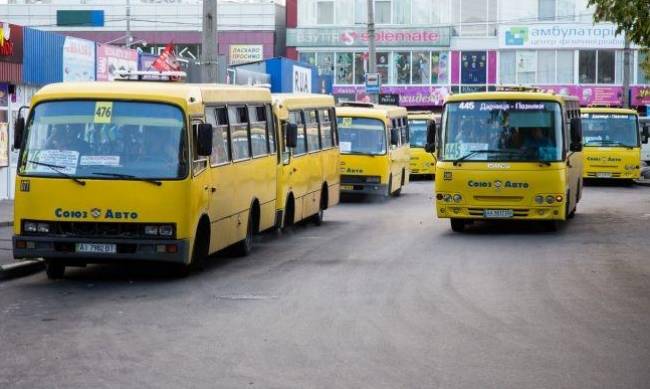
[(166, 230), (446, 198), (30, 227), (559, 198), (550, 199), (458, 198), (43, 228), (539, 199), (151, 230)]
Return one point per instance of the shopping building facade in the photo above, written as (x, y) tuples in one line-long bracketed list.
[(427, 49)]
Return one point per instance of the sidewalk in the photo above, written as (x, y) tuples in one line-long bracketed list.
[(6, 213)]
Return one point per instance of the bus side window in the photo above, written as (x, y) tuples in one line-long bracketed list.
[(313, 141), (199, 163), (259, 140), (296, 117), (239, 139), (270, 125), (218, 117), (325, 129)]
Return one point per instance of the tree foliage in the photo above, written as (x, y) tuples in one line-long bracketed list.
[(631, 16)]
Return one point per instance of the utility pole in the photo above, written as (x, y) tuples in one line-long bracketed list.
[(129, 38), (372, 50), (626, 72), (209, 48)]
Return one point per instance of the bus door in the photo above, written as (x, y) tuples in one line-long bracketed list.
[(296, 165)]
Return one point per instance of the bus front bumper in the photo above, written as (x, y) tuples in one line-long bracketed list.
[(501, 212), (372, 189), (174, 251)]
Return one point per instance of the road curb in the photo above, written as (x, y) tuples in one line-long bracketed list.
[(21, 269)]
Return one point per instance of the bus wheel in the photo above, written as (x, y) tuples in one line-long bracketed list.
[(457, 225), (244, 247), (390, 186), (54, 270), (288, 214), (201, 248), (318, 217)]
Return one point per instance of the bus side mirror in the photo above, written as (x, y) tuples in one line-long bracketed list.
[(576, 134), (645, 133), (291, 135), (430, 147), (204, 137), (394, 136), (19, 128)]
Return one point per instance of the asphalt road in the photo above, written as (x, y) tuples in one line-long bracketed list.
[(383, 295)]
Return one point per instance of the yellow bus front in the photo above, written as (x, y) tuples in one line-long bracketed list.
[(502, 158), (612, 145), (422, 163), (105, 175)]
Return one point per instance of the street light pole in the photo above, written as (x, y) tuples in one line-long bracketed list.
[(209, 53), (626, 72), (372, 50), (129, 38)]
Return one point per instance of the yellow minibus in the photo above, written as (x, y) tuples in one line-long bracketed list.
[(508, 156), (130, 170), (612, 143), (374, 145), (422, 163), (308, 173)]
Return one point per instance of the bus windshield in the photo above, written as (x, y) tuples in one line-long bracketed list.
[(105, 139), (361, 136), (418, 133), (602, 129), (512, 131)]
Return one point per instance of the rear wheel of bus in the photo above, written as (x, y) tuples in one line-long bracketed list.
[(245, 246), (317, 219), (54, 270)]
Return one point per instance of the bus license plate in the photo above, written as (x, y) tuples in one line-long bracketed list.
[(347, 187), (604, 175), (96, 248), (498, 213)]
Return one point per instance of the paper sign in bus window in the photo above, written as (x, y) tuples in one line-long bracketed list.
[(63, 160), (100, 160), (345, 147), (103, 112)]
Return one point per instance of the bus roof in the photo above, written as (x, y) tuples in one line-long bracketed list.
[(619, 111), (510, 96), (374, 111), (170, 92), (302, 100)]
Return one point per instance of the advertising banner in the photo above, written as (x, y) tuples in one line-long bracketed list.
[(640, 95), (11, 43), (301, 79), (591, 95), (78, 59), (358, 37), (112, 59), (559, 35), (246, 53), (407, 96)]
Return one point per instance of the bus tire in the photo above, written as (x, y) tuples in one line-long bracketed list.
[(54, 270), (317, 219), (201, 248), (390, 186), (245, 246), (457, 225)]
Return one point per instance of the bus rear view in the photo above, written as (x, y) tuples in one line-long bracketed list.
[(508, 155)]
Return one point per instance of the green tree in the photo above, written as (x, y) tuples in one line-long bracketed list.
[(631, 16)]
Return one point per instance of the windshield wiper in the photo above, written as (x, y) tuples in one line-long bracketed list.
[(129, 177), (57, 168), (474, 152)]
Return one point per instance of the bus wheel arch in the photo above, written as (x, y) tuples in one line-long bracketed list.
[(317, 218), (201, 247), (245, 246)]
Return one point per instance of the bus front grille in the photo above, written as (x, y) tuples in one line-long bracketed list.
[(499, 199)]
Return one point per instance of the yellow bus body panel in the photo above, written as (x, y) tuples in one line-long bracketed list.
[(610, 162), (304, 177), (392, 167), (509, 185)]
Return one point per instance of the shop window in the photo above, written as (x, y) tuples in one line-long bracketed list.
[(360, 11), (360, 66), (546, 67), (507, 67), (382, 11), (526, 66), (325, 12), (606, 66), (566, 10), (383, 64), (343, 16), (587, 66), (309, 58), (325, 63), (440, 67), (402, 60), (473, 67), (474, 16), (440, 11), (421, 67), (546, 10), (344, 68), (422, 12), (565, 60), (402, 11)]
